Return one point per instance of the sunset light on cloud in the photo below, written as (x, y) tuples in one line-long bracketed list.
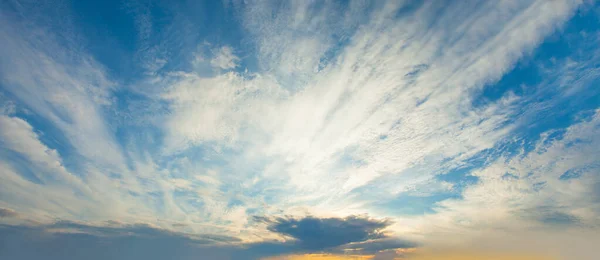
[(264, 129)]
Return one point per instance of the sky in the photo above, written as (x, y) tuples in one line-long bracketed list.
[(273, 130)]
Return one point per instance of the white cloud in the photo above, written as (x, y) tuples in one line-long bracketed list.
[(533, 201), (89, 195), (218, 108), (398, 94), (68, 91), (225, 59), (60, 193), (18, 135)]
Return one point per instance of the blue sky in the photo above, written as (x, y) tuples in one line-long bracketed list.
[(257, 129)]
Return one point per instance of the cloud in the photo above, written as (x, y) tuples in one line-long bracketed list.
[(321, 233), (66, 87), (535, 202), (137, 229), (18, 136), (71, 241), (7, 213), (224, 59), (308, 129), (138, 241), (378, 246)]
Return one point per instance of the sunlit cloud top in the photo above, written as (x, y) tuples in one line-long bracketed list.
[(285, 129)]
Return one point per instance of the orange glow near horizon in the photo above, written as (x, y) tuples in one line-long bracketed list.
[(320, 257)]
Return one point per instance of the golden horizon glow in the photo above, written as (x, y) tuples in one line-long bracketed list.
[(321, 257)]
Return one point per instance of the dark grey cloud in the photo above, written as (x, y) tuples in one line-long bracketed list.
[(179, 225), (7, 213), (134, 242), (66, 240), (313, 233), (141, 229)]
